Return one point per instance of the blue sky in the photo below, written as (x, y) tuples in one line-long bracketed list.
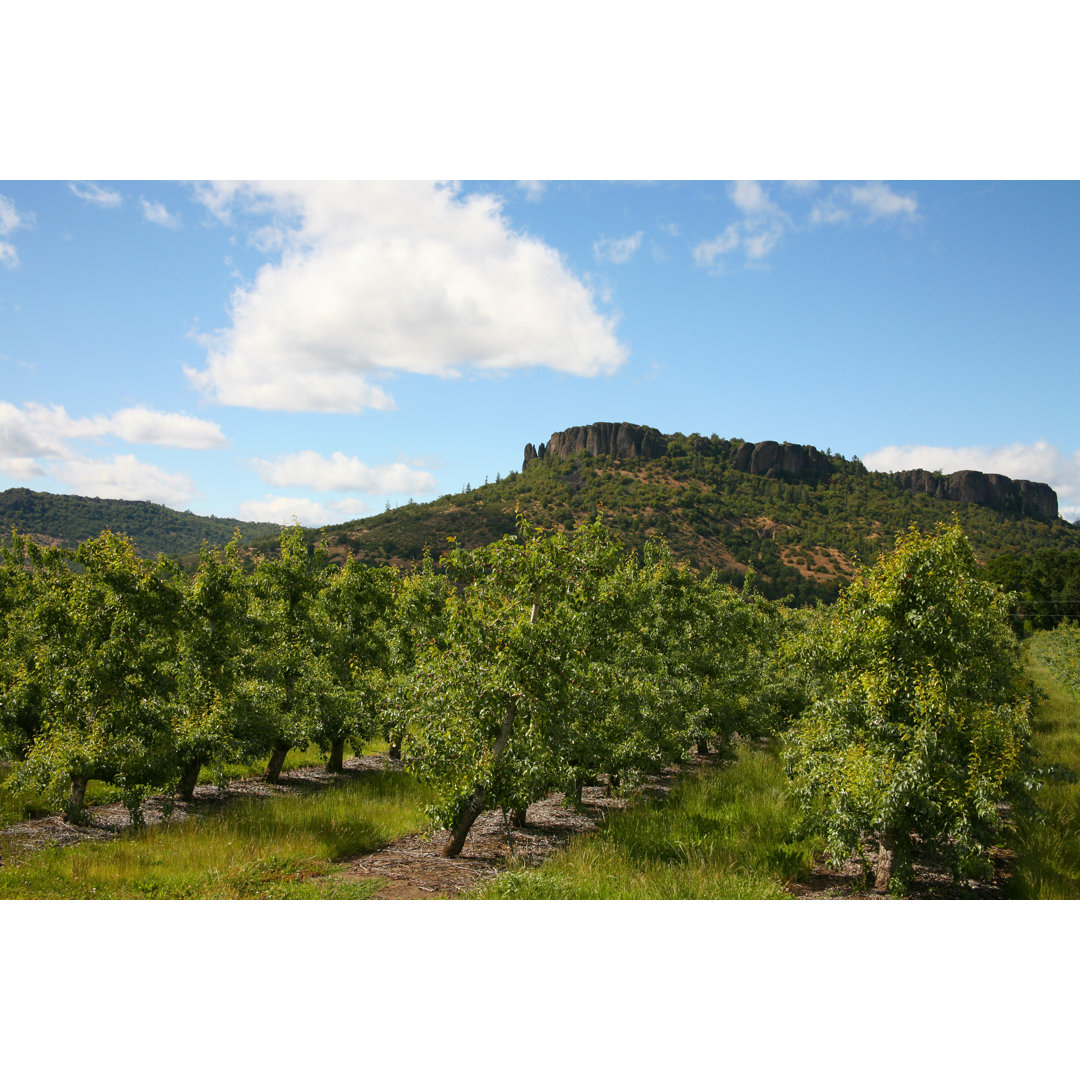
[(270, 350)]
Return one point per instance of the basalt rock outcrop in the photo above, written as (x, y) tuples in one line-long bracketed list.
[(782, 459), (794, 461), (985, 489), (623, 441)]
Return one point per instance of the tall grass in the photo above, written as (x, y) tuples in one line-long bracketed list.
[(1047, 844), (278, 848), (722, 834)]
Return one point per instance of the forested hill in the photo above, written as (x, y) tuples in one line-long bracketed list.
[(68, 520), (803, 517)]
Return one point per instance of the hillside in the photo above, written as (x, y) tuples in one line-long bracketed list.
[(67, 520), (803, 517)]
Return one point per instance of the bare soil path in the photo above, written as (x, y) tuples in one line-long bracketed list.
[(412, 867)]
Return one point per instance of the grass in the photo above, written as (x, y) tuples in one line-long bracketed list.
[(280, 848), (1047, 844), (722, 834)]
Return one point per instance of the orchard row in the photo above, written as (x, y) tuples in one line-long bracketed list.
[(536, 663)]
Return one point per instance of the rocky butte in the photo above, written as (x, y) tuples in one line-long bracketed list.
[(986, 489), (625, 441)]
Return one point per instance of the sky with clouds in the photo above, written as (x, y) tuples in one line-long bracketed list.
[(317, 350)]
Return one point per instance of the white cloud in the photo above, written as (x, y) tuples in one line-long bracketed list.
[(10, 220), (284, 510), (617, 250), (20, 468), (879, 200), (382, 277), (669, 227), (533, 189), (765, 222), (759, 245), (869, 202), (340, 473), (760, 230), (708, 252), (156, 214), (35, 440), (147, 426), (749, 196), (127, 478), (31, 432), (346, 509), (42, 431), (828, 213), (1039, 461), (93, 193)]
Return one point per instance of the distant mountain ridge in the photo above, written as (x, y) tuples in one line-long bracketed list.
[(627, 441), (67, 520)]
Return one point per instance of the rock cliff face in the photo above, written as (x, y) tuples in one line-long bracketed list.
[(622, 441), (781, 459), (986, 489), (772, 459)]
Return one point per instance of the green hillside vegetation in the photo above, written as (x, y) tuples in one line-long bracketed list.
[(803, 536), (67, 520)]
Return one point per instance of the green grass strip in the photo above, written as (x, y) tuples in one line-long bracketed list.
[(268, 849), (1047, 844), (722, 834)]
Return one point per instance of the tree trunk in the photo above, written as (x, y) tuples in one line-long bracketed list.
[(573, 792), (476, 803), (886, 860), (73, 810), (395, 748), (517, 817), (702, 746), (336, 762), (273, 766), (189, 777)]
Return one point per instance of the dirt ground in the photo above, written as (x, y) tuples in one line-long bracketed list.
[(413, 869)]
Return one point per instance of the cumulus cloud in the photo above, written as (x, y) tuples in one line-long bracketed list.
[(95, 194), (10, 220), (617, 250), (375, 278), (147, 426), (36, 440), (20, 468), (42, 431), (32, 431), (1039, 461), (156, 214), (340, 473), (285, 510), (127, 478)]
